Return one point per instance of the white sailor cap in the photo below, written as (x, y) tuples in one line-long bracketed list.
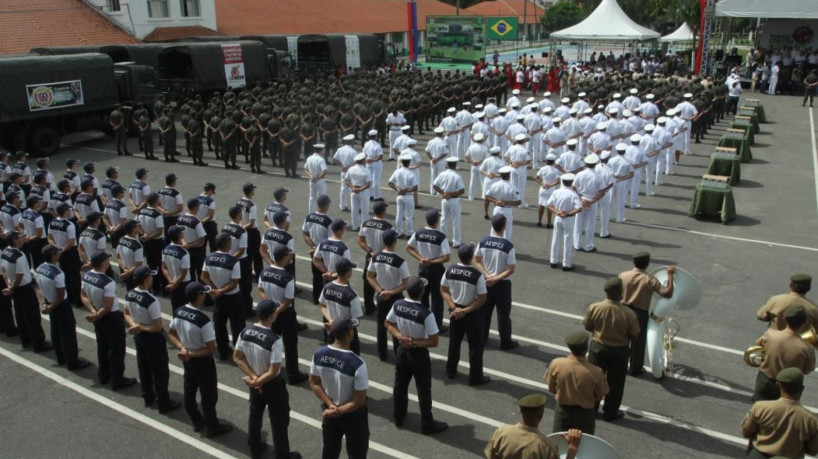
[(634, 91), (671, 112), (637, 109), (621, 147), (502, 110), (466, 104), (405, 128), (661, 120), (520, 137), (547, 110), (649, 97), (411, 142), (550, 157), (617, 96), (600, 107), (605, 155), (567, 177), (649, 127), (571, 142), (573, 111), (547, 94), (613, 110), (452, 159), (602, 126), (495, 150), (439, 130), (360, 157), (515, 104), (318, 146), (556, 119), (373, 133), (581, 95), (533, 106), (591, 159), (515, 92), (688, 95), (405, 157), (451, 110), (635, 138), (478, 106), (520, 117), (588, 110), (565, 100), (505, 170), (479, 137), (627, 113), (349, 137), (480, 114), (530, 99)]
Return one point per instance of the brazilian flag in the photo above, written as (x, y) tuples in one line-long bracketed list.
[(502, 28)]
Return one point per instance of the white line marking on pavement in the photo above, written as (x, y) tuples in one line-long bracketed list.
[(814, 152), (243, 395), (87, 393), (721, 236)]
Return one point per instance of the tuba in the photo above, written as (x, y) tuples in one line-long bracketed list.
[(662, 329), (754, 355), (590, 447)]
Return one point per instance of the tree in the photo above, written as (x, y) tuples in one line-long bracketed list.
[(563, 14)]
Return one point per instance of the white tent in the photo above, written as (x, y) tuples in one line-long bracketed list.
[(607, 23), (683, 33), (789, 9)]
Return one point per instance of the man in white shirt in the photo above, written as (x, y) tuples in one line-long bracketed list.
[(451, 187), (345, 158), (374, 164), (437, 150), (315, 169), (475, 155), (358, 180)]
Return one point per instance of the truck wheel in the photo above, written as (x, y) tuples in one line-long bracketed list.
[(44, 141)]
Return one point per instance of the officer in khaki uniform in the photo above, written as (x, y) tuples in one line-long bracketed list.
[(524, 439), (614, 326), (638, 289), (578, 386), (782, 427), (783, 349), (800, 285)]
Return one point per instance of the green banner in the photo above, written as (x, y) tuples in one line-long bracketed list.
[(502, 28), (455, 38)]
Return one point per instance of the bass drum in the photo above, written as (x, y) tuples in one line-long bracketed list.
[(590, 447)]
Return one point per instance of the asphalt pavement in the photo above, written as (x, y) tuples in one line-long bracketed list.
[(693, 412)]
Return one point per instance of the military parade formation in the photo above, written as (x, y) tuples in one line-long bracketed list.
[(591, 152)]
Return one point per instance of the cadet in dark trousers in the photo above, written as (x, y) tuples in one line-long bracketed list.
[(153, 226), (578, 386), (370, 239), (143, 317), (339, 379), (338, 301), (99, 298), (129, 253), (464, 290), (207, 213), (388, 274), (431, 248), (195, 238), (414, 327), (17, 275), (63, 234), (316, 228), (221, 272), (249, 221), (176, 267), (51, 281), (258, 355), (496, 259), (191, 332), (120, 128), (238, 248), (614, 327), (278, 284)]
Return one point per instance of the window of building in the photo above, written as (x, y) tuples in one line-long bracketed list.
[(114, 6), (158, 9), (190, 8)]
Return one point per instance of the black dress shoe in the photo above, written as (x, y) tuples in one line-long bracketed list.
[(443, 329), (539, 223), (149, 401), (302, 327), (549, 226), (451, 375), (258, 451), (555, 265), (437, 427), (198, 426), (592, 250), (218, 429), (169, 406), (568, 268), (296, 378), (510, 345), (79, 365), (399, 421), (479, 381), (123, 383), (45, 346), (613, 417)]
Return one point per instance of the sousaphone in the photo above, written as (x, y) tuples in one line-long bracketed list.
[(590, 447)]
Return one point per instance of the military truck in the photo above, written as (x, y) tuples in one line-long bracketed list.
[(329, 52), (43, 98)]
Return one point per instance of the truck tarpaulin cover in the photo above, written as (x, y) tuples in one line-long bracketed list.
[(371, 50), (39, 85), (204, 63), (316, 46)]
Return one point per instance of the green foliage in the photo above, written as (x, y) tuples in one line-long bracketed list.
[(563, 14)]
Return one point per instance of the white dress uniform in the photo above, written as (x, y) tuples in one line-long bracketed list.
[(588, 184), (635, 155), (548, 174), (346, 157), (374, 163), (572, 128), (451, 128), (546, 103), (615, 106), (475, 155), (316, 167), (580, 105), (504, 190), (480, 127), (588, 126), (663, 137), (648, 145), (395, 121), (606, 175), (518, 154), (687, 111), (564, 199), (358, 176), (450, 181), (638, 124), (621, 167), (562, 112), (490, 166), (649, 111), (401, 143), (631, 102), (437, 150), (512, 101), (404, 179), (499, 126), (555, 136), (534, 124), (570, 162), (674, 126), (464, 123)]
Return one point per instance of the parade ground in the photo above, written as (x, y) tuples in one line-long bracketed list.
[(695, 411)]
